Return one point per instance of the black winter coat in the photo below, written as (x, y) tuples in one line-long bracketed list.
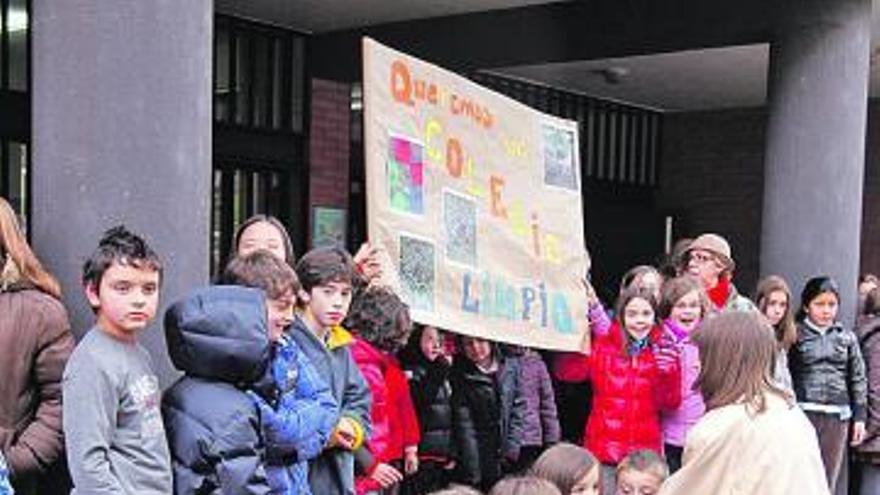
[(431, 393), (869, 337), (217, 337), (827, 368), (489, 410)]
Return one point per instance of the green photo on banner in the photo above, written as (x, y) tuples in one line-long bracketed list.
[(328, 226)]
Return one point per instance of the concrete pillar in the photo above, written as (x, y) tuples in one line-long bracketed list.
[(122, 134), (815, 157)]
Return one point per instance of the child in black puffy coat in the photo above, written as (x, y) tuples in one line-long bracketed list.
[(427, 366), (488, 412)]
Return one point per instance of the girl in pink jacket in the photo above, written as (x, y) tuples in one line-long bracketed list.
[(683, 305)]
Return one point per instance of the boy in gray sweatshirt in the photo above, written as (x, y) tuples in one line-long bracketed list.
[(112, 422)]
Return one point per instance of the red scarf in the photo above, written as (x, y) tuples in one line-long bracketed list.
[(719, 294)]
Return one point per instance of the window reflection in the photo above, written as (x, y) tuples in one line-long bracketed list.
[(17, 30), (241, 191), (298, 81), (277, 83), (243, 63), (259, 76), (2, 42), (222, 89), (14, 160), (261, 80), (14, 62)]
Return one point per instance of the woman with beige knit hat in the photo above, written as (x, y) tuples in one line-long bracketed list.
[(708, 259)]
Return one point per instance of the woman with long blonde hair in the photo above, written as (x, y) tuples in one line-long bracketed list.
[(35, 342)]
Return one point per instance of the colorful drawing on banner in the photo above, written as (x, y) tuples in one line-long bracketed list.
[(406, 176), (417, 274), (328, 226), (460, 221), (560, 163)]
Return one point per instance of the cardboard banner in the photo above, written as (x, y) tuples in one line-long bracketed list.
[(476, 199)]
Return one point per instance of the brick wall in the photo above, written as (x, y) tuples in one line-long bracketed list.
[(712, 180), (329, 140)]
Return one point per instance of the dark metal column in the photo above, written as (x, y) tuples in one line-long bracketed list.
[(122, 134), (814, 164)]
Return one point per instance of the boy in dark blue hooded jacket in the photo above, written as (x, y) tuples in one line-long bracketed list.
[(225, 339), (217, 337), (298, 418)]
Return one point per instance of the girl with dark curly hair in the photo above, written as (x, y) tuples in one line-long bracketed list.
[(381, 325)]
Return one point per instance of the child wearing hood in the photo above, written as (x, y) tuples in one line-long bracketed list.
[(228, 340), (300, 413)]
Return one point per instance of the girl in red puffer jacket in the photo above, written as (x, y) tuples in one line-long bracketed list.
[(635, 372), (381, 324)]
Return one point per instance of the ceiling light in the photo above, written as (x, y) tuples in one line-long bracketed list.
[(17, 20), (612, 75)]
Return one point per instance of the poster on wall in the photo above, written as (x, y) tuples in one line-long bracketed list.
[(476, 200), (328, 226)]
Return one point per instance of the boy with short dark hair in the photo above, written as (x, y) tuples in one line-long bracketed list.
[(327, 275), (112, 424)]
